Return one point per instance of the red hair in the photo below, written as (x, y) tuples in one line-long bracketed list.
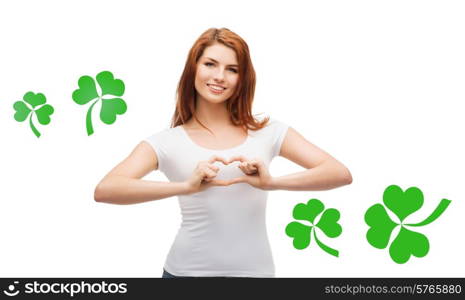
[(239, 104)]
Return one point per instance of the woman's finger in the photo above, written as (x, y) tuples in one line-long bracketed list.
[(247, 168), (219, 182), (209, 173), (215, 158), (243, 167), (238, 180), (257, 164), (213, 167), (251, 167), (239, 158)]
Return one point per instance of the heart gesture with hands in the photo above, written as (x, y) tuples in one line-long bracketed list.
[(203, 177), (256, 172)]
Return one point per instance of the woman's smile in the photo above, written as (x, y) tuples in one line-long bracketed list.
[(216, 89)]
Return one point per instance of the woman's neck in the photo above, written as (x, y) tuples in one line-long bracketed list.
[(212, 115)]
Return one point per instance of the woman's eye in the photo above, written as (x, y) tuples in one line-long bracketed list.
[(208, 64), (233, 70)]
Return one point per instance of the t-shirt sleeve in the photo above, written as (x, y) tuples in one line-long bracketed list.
[(279, 133), (155, 140)]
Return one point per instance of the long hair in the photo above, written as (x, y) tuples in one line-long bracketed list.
[(239, 104)]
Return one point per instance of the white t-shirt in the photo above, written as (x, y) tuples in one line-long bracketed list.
[(223, 230)]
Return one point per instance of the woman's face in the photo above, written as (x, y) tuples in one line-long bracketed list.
[(217, 73)]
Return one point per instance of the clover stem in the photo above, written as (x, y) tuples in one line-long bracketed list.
[(34, 129), (89, 127), (435, 214), (325, 248)]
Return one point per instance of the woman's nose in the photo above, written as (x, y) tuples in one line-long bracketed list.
[(219, 74)]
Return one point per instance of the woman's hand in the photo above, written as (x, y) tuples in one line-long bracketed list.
[(256, 172), (204, 174)]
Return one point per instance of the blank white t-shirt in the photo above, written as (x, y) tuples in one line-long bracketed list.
[(223, 230)]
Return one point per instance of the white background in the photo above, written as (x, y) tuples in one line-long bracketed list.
[(377, 84)]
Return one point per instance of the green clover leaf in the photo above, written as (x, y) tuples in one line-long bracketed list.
[(402, 204), (110, 85), (34, 99), (408, 243), (381, 226), (87, 90), (110, 107), (42, 113), (309, 211), (301, 234), (327, 224), (22, 111)]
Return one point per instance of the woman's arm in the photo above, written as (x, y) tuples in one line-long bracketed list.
[(323, 171), (123, 185)]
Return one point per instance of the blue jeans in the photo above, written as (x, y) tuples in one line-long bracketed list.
[(169, 275)]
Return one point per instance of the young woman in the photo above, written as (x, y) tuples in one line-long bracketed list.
[(216, 156)]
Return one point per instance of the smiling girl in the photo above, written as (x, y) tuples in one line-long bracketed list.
[(216, 156)]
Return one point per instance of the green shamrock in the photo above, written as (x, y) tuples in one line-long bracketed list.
[(43, 112), (327, 223), (402, 204), (110, 106)]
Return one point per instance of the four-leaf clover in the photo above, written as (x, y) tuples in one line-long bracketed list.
[(327, 223), (402, 204), (110, 106), (43, 112)]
